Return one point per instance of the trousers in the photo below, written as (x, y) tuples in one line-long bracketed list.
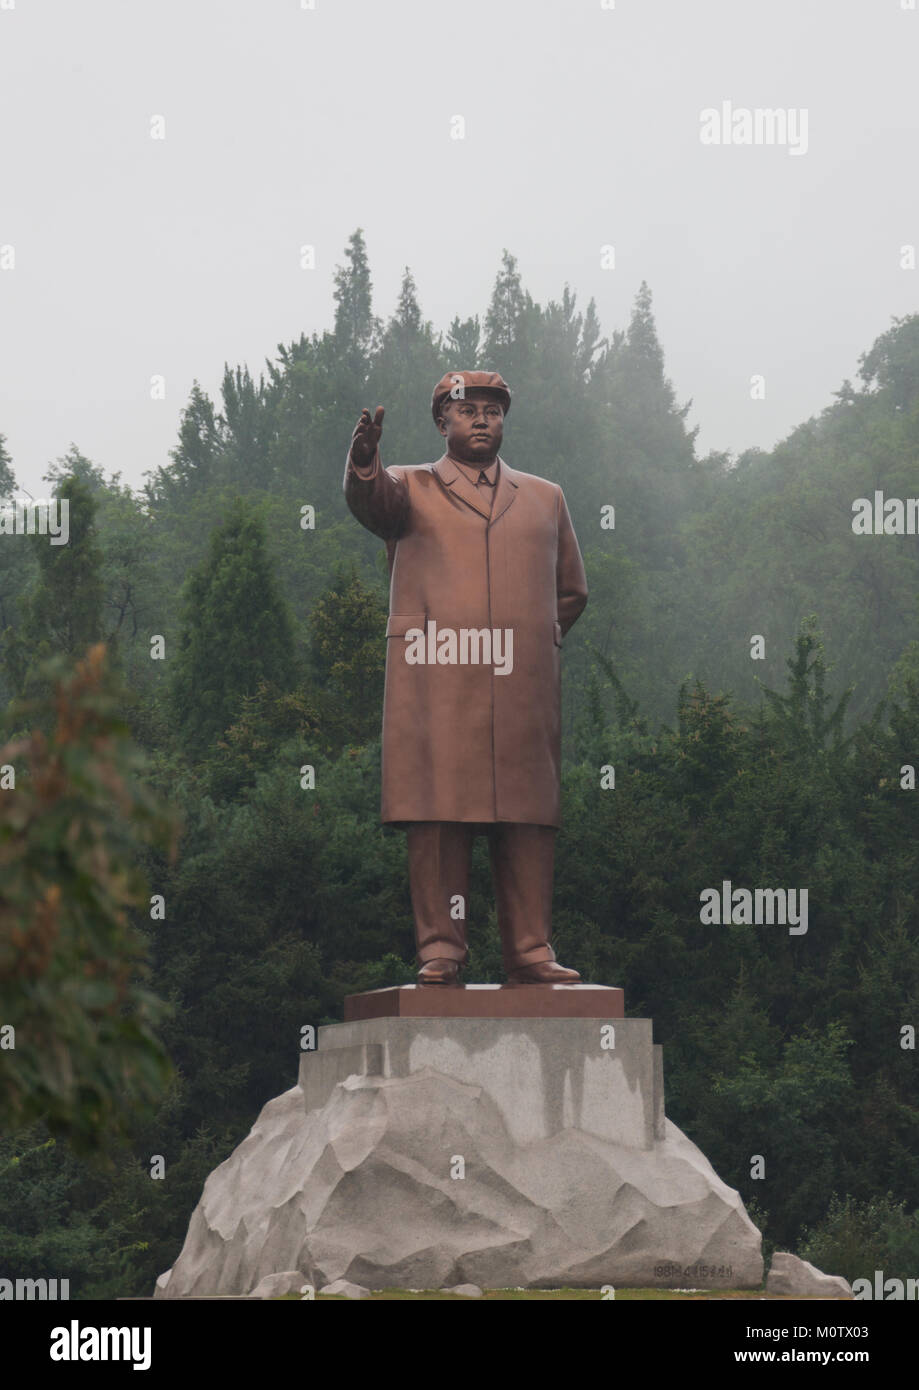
[(522, 868)]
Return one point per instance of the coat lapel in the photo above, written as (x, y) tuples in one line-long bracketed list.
[(506, 490), (455, 479)]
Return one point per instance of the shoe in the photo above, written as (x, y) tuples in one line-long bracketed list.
[(439, 972), (543, 972)]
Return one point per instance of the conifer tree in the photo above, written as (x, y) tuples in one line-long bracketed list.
[(355, 327), (7, 478), (11, 569), (61, 615), (237, 631), (195, 456), (509, 302), (407, 364), (463, 343)]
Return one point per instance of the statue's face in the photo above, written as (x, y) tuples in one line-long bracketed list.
[(473, 427)]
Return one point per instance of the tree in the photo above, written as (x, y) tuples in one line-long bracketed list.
[(355, 327), (12, 571), (127, 555), (892, 363), (62, 613), (75, 464), (507, 310), (7, 478), (196, 456), (72, 967), (463, 343), (408, 311), (247, 428), (348, 649), (237, 631), (804, 714), (406, 365)]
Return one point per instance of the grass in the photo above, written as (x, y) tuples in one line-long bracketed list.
[(564, 1295)]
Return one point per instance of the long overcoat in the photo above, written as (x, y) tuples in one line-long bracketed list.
[(471, 740)]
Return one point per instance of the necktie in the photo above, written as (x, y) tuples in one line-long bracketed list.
[(486, 488)]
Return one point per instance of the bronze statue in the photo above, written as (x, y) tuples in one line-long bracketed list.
[(486, 579)]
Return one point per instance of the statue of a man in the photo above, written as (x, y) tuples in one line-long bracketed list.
[(486, 579)]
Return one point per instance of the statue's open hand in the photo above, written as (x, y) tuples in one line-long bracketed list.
[(366, 437)]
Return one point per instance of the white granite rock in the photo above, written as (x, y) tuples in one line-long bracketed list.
[(789, 1275), (342, 1286), (364, 1188), (465, 1290), (277, 1285)]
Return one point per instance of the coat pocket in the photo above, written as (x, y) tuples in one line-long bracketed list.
[(557, 634), (398, 626)]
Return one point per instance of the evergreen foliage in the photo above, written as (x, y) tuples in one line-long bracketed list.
[(784, 772)]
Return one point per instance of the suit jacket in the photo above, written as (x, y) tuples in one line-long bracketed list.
[(461, 740)]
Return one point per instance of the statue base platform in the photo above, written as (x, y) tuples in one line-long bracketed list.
[(487, 1001), (505, 1152)]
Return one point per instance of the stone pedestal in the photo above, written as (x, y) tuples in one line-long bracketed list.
[(423, 1152), (544, 1075), (486, 1001)]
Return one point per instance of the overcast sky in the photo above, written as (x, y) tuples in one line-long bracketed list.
[(287, 126)]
